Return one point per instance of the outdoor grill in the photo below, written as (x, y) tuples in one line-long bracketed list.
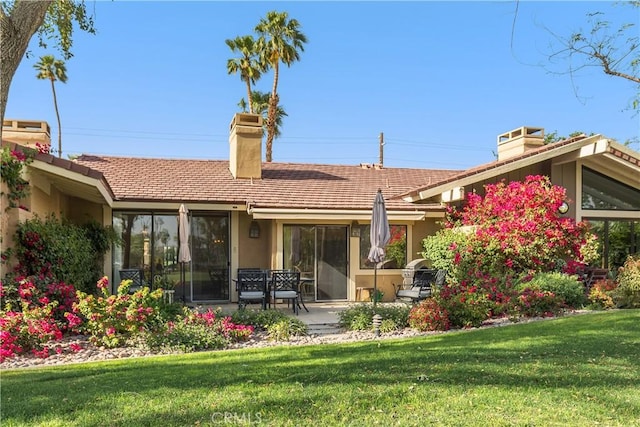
[(409, 271)]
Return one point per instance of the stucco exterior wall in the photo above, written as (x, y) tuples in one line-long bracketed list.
[(253, 252), (422, 229), (43, 200)]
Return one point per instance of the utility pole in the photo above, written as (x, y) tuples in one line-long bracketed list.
[(381, 160)]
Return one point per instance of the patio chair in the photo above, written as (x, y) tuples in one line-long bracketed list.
[(135, 275), (593, 275), (252, 287), (285, 285), (441, 278), (421, 287)]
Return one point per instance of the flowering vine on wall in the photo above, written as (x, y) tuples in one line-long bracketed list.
[(13, 163)]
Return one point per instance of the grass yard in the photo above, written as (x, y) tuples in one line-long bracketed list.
[(573, 371)]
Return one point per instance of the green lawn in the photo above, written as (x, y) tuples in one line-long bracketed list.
[(578, 370)]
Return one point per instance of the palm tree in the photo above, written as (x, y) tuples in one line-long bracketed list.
[(260, 105), (247, 65), (53, 69), (280, 41)]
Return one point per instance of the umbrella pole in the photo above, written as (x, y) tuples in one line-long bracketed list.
[(184, 298), (375, 284)]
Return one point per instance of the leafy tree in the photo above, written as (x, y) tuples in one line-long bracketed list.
[(247, 65), (53, 69), (260, 105), (552, 137), (280, 41), (50, 19)]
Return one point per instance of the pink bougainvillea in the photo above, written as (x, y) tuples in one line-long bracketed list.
[(511, 233), (38, 317), (518, 228)]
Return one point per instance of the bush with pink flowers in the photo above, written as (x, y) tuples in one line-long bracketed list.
[(194, 331), (502, 238), (467, 306), (35, 320), (536, 303), (32, 319), (111, 320), (429, 315), (517, 228)]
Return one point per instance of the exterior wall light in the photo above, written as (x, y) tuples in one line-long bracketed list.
[(563, 208), (355, 229), (254, 230)]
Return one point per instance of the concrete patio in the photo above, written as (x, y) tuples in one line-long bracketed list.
[(320, 313)]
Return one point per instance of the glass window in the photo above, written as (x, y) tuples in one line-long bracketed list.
[(604, 193), (299, 248), (209, 257), (149, 243), (395, 252), (165, 251), (616, 240)]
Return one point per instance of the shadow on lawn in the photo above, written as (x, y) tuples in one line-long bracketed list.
[(575, 352)]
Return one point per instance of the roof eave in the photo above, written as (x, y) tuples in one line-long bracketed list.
[(333, 214), (597, 143)]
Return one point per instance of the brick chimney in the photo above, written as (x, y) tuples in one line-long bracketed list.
[(519, 141), (26, 132), (245, 144)]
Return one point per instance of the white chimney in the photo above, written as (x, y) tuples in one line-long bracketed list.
[(519, 141), (26, 132)]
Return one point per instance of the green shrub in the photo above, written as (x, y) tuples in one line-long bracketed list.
[(259, 319), (359, 317), (195, 331), (377, 296), (361, 322), (111, 320), (535, 302), (283, 329), (429, 315), (184, 337), (601, 295), (168, 311), (627, 294), (12, 163), (466, 307), (101, 239), (568, 288), (62, 251), (388, 325), (437, 248)]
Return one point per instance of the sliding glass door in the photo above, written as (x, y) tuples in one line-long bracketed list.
[(149, 246), (320, 254), (331, 263), (209, 257)]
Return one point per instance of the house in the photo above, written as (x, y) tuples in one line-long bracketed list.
[(311, 217)]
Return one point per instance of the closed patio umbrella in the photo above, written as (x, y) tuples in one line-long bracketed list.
[(184, 254), (379, 236)]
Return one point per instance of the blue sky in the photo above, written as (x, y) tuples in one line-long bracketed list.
[(441, 79)]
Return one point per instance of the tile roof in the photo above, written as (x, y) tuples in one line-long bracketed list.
[(65, 164), (283, 185), (493, 165)]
